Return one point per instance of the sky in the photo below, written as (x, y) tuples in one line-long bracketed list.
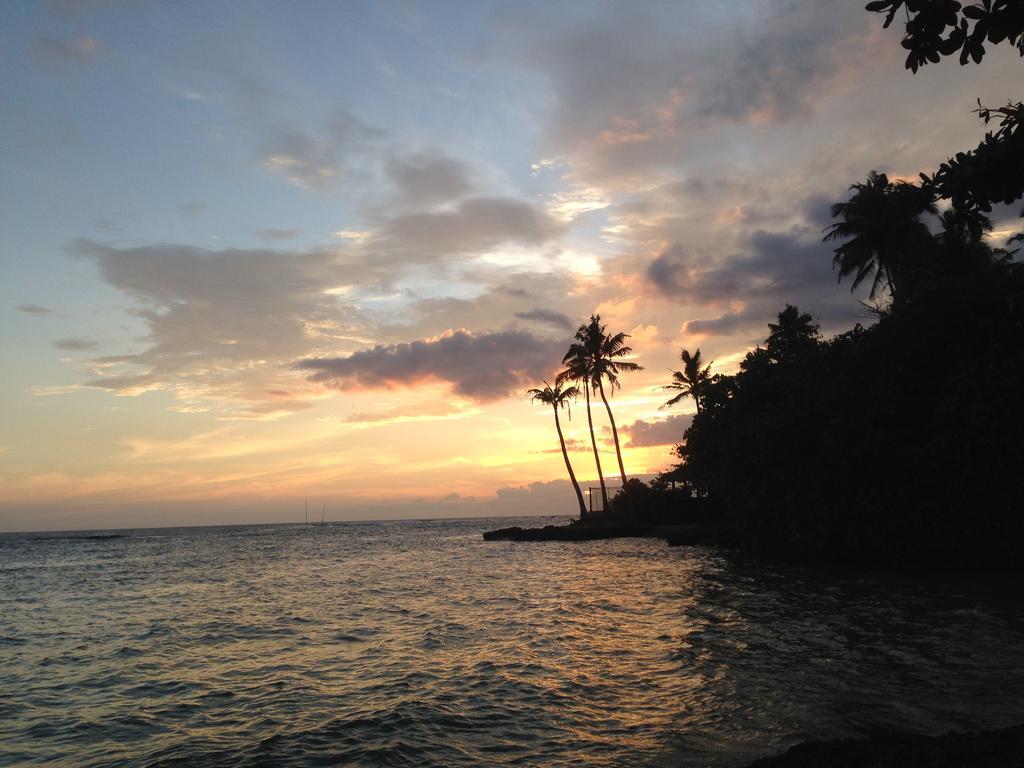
[(255, 253)]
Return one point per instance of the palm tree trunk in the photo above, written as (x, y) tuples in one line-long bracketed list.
[(891, 280), (568, 466), (597, 456), (615, 432)]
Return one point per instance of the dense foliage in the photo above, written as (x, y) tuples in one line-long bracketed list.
[(904, 440), (993, 172), (937, 28), (899, 440)]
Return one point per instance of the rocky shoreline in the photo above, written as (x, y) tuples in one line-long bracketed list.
[(1001, 748), (620, 528)]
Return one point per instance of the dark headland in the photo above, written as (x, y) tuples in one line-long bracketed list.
[(895, 443), (613, 526), (1003, 748)]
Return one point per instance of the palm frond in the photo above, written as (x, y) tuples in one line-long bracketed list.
[(675, 399), (626, 365)]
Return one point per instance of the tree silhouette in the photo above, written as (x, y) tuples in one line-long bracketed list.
[(794, 332), (886, 237), (756, 361), (691, 381), (930, 393), (989, 173), (961, 239), (559, 398), (606, 353), (578, 368), (927, 39)]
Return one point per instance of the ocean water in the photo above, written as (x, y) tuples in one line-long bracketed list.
[(419, 644)]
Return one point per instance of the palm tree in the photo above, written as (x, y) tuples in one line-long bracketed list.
[(794, 331), (961, 239), (578, 368), (559, 398), (606, 353), (690, 381), (886, 235)]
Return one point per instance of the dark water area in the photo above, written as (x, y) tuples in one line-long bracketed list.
[(419, 644)]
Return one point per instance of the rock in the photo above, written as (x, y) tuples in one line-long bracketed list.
[(681, 535), (590, 531), (620, 528), (1003, 748)]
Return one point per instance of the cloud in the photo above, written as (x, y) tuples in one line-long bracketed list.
[(726, 323), (480, 367), (277, 234), (274, 408), (572, 444), (606, 64), (640, 92), (422, 411), (778, 264), (508, 296), (776, 69), (221, 324), (34, 309), (426, 178), (72, 52), (668, 431), (548, 317), (571, 204), (818, 210), (318, 160), (75, 344), (226, 324), (750, 288), (555, 497), (346, 151), (474, 226)]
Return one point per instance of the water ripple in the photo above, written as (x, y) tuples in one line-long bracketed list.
[(418, 644)]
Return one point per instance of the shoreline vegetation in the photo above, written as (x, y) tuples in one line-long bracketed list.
[(900, 443), (896, 443)]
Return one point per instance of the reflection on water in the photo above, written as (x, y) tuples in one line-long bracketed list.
[(419, 644)]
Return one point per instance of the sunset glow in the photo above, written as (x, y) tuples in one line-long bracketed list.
[(254, 254)]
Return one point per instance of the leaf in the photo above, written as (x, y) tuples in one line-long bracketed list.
[(950, 45)]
